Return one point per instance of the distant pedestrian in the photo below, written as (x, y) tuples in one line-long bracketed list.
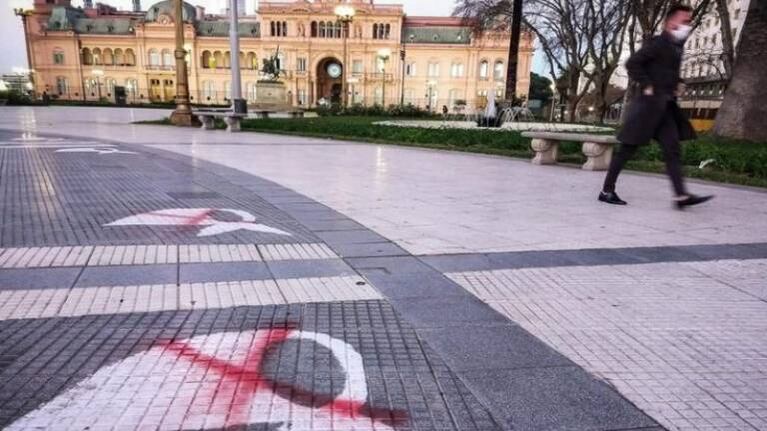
[(655, 112)]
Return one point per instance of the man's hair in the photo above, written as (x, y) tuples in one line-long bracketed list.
[(678, 8)]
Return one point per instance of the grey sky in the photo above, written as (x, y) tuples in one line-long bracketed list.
[(11, 32)]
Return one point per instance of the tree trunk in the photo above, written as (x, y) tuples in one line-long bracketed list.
[(744, 108), (728, 50), (516, 34)]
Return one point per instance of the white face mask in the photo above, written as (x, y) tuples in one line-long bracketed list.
[(682, 33)]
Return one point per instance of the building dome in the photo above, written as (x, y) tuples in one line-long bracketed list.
[(167, 7)]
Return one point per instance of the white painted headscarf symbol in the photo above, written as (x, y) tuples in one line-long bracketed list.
[(198, 217)]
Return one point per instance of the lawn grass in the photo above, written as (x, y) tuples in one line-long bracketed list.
[(735, 162)]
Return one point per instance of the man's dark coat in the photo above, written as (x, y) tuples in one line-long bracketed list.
[(657, 65)]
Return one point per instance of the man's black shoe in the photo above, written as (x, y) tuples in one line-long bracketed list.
[(611, 198), (691, 200)]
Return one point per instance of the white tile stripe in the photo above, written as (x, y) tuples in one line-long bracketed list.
[(42, 303), (46, 257)]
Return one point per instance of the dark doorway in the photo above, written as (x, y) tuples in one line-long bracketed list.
[(329, 75)]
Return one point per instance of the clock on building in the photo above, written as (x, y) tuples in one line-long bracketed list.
[(334, 70)]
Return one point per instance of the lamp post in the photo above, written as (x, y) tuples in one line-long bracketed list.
[(182, 116), (238, 103), (23, 14), (345, 15), (383, 55), (402, 56)]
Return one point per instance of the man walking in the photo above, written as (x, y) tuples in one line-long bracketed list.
[(655, 113)]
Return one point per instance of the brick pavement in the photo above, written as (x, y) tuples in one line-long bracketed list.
[(143, 324), (505, 377)]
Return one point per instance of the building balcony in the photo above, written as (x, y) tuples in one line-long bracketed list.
[(375, 76), (160, 67), (110, 67)]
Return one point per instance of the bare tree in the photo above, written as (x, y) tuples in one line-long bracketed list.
[(485, 15), (606, 28), (556, 24)]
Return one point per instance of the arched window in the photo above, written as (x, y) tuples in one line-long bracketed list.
[(314, 29), (97, 56), (208, 91), (130, 57), (337, 32), (58, 56), (87, 57), (91, 87), (251, 61), (243, 64), (108, 58), (278, 28), (207, 60), (218, 60), (167, 58), (109, 85), (227, 60), (119, 57), (154, 58), (62, 86), (498, 71), (322, 28), (381, 31), (484, 69), (131, 88)]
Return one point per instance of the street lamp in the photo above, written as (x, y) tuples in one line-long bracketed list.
[(345, 15), (402, 56), (383, 54), (24, 14), (239, 105), (182, 115)]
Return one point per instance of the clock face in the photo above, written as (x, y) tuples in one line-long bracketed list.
[(334, 70)]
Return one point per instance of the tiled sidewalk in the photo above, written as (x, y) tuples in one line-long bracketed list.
[(667, 308), (684, 341), (237, 316)]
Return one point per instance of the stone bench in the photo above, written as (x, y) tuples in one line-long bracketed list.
[(232, 120), (597, 148)]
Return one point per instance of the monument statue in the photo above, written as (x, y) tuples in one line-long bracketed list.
[(271, 93), (271, 68)]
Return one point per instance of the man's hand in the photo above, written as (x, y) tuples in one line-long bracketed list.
[(680, 89), (648, 91)]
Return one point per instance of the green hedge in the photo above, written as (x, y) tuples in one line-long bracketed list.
[(362, 128)]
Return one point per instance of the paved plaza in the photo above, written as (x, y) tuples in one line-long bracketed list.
[(159, 278)]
